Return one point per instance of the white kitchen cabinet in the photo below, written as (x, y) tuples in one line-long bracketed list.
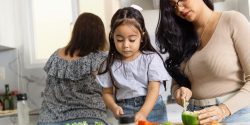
[(8, 32)]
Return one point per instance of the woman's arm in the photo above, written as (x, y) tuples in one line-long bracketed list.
[(152, 96), (110, 102), (241, 27)]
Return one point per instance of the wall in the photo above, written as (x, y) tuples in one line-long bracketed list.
[(145, 4), (242, 6), (9, 67), (104, 9)]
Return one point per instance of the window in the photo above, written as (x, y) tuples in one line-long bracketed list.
[(50, 28)]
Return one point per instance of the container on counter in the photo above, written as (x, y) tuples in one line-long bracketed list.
[(127, 120), (22, 109), (7, 99)]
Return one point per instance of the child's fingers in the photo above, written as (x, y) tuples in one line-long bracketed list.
[(121, 111), (139, 117), (118, 112)]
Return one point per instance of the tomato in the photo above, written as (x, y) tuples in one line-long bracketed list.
[(142, 122), (190, 118)]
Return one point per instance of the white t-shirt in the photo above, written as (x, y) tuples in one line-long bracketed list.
[(132, 77)]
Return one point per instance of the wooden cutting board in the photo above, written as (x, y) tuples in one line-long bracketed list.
[(7, 113)]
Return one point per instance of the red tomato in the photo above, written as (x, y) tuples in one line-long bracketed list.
[(141, 122)]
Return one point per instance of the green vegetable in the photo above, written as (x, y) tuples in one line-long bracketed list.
[(78, 123), (84, 123), (190, 118), (99, 123), (167, 123)]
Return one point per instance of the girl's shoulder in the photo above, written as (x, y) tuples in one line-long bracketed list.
[(149, 54)]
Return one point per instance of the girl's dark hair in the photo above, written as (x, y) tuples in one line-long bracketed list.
[(127, 16), (88, 35), (178, 38)]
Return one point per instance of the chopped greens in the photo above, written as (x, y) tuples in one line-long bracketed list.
[(84, 123)]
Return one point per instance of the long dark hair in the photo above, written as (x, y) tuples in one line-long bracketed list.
[(88, 35), (127, 16), (178, 38)]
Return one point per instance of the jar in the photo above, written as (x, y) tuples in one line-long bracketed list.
[(127, 120), (22, 109)]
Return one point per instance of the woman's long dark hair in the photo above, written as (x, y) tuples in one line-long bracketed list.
[(88, 35), (178, 38), (126, 16)]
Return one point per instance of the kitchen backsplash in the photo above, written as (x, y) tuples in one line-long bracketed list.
[(30, 81)]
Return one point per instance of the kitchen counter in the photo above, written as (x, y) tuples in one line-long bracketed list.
[(7, 113), (173, 111), (10, 117)]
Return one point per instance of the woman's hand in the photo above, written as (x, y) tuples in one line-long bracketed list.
[(214, 113), (181, 94), (117, 111)]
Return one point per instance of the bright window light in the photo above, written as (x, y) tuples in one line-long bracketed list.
[(51, 25)]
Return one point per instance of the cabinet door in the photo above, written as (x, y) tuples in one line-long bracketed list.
[(7, 24)]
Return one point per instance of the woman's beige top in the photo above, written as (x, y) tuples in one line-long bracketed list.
[(219, 67)]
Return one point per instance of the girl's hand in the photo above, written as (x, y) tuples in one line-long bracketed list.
[(140, 116), (181, 94), (117, 111), (214, 113)]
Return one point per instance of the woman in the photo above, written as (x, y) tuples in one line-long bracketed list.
[(209, 58), (72, 96)]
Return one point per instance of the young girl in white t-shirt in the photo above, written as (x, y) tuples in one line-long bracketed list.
[(133, 74)]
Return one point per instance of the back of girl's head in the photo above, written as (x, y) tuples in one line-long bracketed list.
[(132, 17), (88, 35)]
